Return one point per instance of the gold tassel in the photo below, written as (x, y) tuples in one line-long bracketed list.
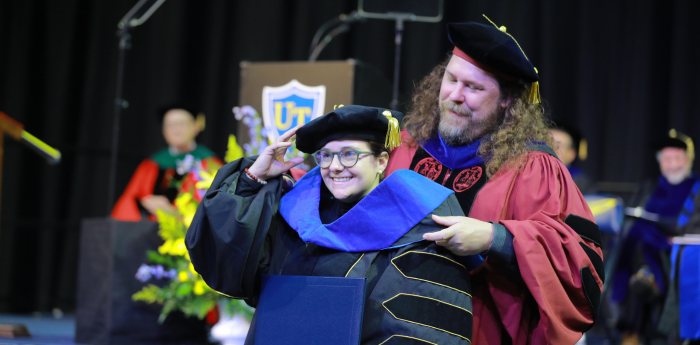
[(583, 150), (393, 133), (201, 121), (534, 97)]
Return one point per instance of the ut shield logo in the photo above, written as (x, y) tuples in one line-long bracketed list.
[(289, 105)]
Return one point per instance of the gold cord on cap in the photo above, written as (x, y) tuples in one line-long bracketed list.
[(337, 106), (686, 139), (534, 97), (393, 133)]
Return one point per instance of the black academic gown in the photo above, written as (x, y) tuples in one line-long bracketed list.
[(416, 291)]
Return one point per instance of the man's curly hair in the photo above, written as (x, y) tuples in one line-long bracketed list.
[(523, 123)]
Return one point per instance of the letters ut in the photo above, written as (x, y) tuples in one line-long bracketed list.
[(291, 111)]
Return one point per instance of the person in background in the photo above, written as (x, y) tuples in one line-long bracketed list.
[(156, 181), (641, 277), (568, 146), (476, 126)]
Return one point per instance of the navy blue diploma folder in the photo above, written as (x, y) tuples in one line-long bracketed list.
[(310, 310)]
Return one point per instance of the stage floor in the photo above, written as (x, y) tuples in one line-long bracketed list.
[(45, 329)]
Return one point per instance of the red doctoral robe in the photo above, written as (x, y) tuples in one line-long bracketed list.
[(552, 307), (157, 175)]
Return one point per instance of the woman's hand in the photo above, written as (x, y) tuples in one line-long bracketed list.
[(270, 163)]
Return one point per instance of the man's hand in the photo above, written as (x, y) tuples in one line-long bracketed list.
[(463, 235), (157, 202)]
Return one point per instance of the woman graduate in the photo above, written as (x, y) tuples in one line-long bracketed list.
[(339, 220)]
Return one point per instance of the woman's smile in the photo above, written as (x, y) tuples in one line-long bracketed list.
[(339, 180)]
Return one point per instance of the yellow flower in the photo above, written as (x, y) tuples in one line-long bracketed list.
[(183, 276), (187, 207), (178, 247), (199, 287), (166, 247), (234, 151), (173, 247), (183, 200), (207, 179), (192, 269), (187, 217)]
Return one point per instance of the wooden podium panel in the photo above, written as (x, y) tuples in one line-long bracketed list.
[(347, 82)]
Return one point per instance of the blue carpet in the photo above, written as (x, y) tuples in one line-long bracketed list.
[(45, 330)]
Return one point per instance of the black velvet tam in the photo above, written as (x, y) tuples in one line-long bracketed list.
[(186, 106), (492, 47), (670, 142), (347, 122)]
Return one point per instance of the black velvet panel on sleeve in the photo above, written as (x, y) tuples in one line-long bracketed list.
[(596, 260), (592, 291), (434, 268), (431, 313), (585, 228)]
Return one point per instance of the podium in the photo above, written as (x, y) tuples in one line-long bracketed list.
[(345, 82), (111, 252)]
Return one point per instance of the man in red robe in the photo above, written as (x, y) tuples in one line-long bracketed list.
[(476, 126), (157, 179)]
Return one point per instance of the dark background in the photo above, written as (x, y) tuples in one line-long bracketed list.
[(624, 72)]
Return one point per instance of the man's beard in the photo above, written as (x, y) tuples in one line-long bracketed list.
[(676, 177), (458, 131)]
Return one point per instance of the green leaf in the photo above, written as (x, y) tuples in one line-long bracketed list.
[(157, 258), (148, 294), (231, 307), (199, 306), (183, 289), (168, 307)]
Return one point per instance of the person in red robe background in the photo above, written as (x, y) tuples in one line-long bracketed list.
[(157, 179), (476, 126)]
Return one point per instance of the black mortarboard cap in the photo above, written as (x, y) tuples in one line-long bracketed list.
[(670, 142), (679, 140), (493, 49), (350, 122), (164, 109)]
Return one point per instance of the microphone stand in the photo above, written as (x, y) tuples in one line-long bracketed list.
[(341, 24), (327, 39), (398, 39), (399, 18), (129, 21)]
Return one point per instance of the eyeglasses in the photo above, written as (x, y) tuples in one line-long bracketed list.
[(347, 157)]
